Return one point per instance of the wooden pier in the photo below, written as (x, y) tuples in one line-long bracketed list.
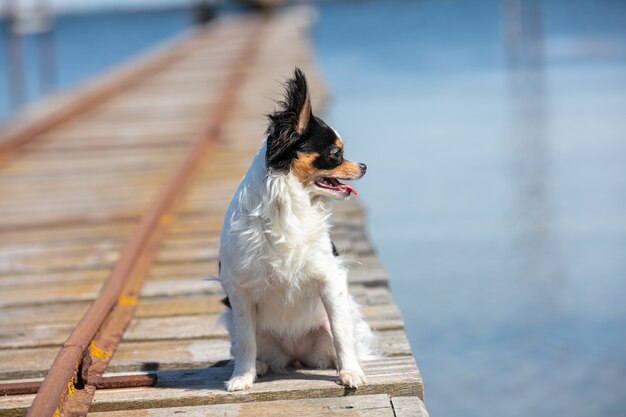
[(111, 203)]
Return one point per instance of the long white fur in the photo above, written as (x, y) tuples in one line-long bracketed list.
[(288, 293)]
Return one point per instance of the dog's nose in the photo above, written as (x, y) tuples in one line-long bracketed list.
[(363, 167)]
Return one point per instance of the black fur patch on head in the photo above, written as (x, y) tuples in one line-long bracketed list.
[(294, 128), (321, 139)]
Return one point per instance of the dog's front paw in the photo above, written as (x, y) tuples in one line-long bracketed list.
[(352, 378), (240, 382)]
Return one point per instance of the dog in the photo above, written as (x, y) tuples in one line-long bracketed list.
[(287, 300)]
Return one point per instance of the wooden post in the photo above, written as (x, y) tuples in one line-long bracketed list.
[(15, 59)]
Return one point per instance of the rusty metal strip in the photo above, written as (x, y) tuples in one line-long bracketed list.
[(105, 382), (127, 381), (96, 93), (19, 388), (58, 387)]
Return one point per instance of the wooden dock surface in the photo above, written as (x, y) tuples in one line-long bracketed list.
[(73, 191)]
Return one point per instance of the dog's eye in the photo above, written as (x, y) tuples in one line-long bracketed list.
[(335, 152)]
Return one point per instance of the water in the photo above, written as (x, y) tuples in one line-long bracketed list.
[(495, 138)]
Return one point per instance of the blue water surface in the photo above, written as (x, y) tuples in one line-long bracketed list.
[(495, 137)]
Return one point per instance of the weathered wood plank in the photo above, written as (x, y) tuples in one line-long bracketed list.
[(161, 354), (71, 232), (353, 406), (409, 407), (89, 290), (37, 279), (156, 306), (173, 354), (168, 279), (193, 387), (394, 376), (381, 317), (28, 315), (170, 325)]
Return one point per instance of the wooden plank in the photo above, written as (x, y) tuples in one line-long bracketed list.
[(381, 317), (18, 296), (60, 312), (179, 306), (70, 232), (89, 290), (409, 407), (25, 363), (65, 277), (194, 387), (367, 271), (24, 315), (155, 306), (116, 167), (394, 376), (189, 279), (34, 264), (172, 325), (201, 326), (172, 354), (353, 406), (131, 131), (161, 354)]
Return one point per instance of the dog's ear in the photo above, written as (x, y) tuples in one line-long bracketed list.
[(289, 123), (300, 100)]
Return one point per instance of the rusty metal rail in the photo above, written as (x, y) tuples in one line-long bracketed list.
[(78, 368), (105, 382)]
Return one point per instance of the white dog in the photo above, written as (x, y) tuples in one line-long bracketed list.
[(286, 287)]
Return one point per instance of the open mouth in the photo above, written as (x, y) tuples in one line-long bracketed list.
[(335, 185)]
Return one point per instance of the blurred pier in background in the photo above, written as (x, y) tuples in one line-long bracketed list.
[(112, 196)]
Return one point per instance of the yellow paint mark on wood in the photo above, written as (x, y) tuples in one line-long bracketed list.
[(166, 219), (96, 352), (126, 300)]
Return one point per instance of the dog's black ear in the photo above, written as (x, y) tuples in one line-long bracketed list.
[(289, 123), (297, 103)]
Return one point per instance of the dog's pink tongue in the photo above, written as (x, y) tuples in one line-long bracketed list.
[(350, 189)]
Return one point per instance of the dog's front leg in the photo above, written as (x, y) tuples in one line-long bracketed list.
[(244, 343), (335, 299)]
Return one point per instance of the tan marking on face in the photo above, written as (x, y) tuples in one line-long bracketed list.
[(339, 143), (303, 169), (347, 170)]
